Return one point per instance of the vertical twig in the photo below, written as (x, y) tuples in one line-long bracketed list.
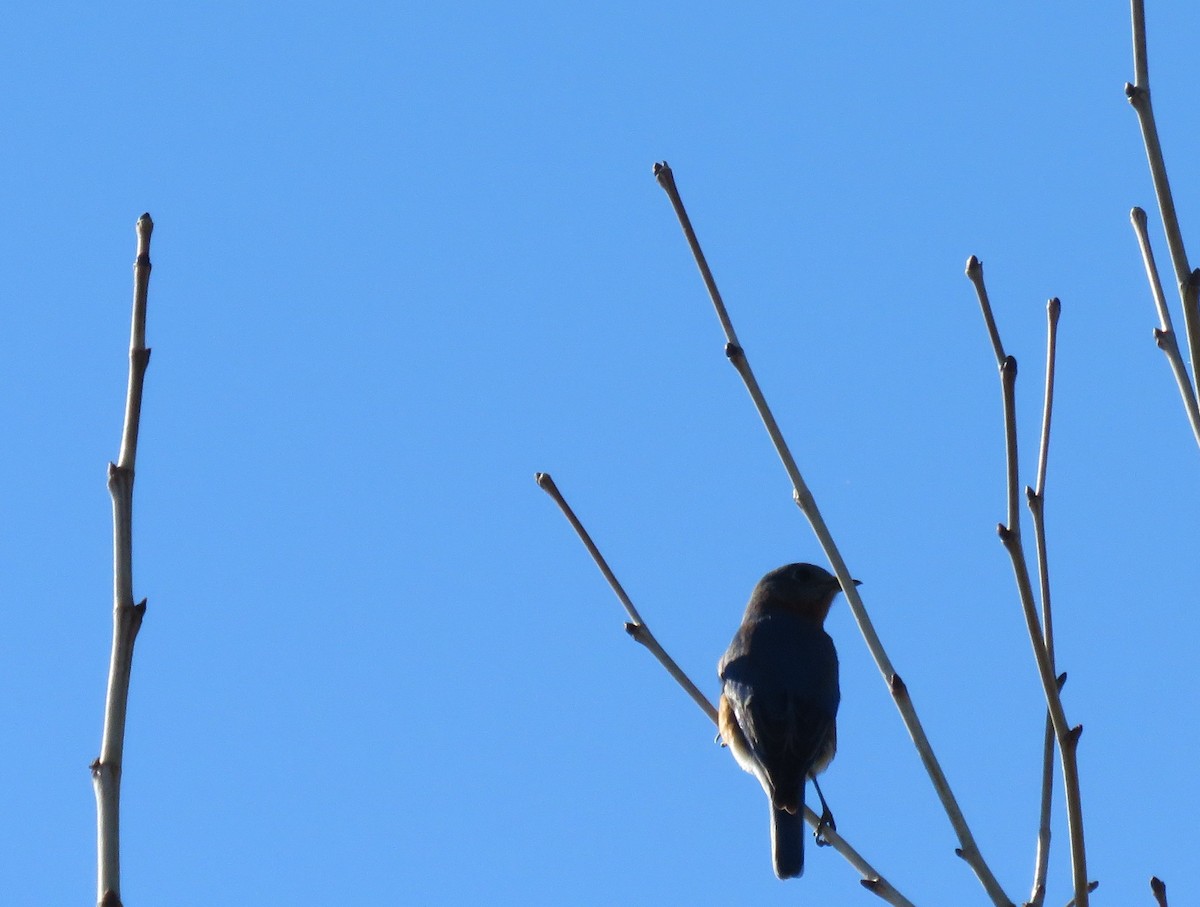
[(969, 850), (1139, 96), (1010, 536), (636, 628), (1037, 509), (127, 617)]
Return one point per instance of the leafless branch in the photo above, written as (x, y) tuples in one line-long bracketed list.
[(969, 850), (636, 627), (1037, 502), (1164, 334), (127, 617), (1139, 96), (1010, 535)]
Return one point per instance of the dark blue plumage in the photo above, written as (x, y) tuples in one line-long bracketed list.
[(779, 697)]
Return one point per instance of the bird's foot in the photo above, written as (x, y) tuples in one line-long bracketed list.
[(826, 822)]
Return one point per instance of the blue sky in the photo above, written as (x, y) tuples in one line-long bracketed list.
[(407, 256)]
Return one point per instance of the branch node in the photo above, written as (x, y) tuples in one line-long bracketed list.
[(960, 853), (897, 685), (1134, 94), (974, 268), (733, 352), (1062, 680), (662, 173), (1159, 889), (1074, 734)]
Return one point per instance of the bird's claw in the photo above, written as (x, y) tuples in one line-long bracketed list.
[(826, 822)]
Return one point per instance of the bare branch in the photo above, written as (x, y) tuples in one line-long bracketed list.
[(637, 628), (1010, 535), (1037, 502), (1053, 309), (127, 617), (807, 504), (975, 274), (1139, 96), (1165, 336)]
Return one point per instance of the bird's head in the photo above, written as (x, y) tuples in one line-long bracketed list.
[(802, 588)]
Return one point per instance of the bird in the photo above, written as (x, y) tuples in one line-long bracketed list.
[(779, 697)]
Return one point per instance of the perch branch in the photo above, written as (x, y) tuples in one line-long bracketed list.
[(1010, 536), (127, 617), (969, 850), (636, 628)]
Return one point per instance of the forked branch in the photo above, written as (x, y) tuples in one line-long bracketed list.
[(1037, 508), (1010, 535), (969, 850), (637, 629), (1186, 282), (1164, 334)]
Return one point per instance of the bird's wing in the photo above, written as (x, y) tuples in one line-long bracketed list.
[(780, 677)]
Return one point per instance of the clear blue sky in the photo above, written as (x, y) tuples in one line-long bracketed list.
[(406, 256)]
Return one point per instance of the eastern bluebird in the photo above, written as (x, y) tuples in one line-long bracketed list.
[(779, 697)]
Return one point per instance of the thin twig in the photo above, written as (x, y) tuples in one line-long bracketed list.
[(975, 275), (969, 850), (1164, 335), (1053, 310), (637, 628), (1037, 507), (1159, 889), (1010, 536), (1139, 96), (127, 617)]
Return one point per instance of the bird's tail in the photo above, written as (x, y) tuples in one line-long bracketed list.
[(787, 842)]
